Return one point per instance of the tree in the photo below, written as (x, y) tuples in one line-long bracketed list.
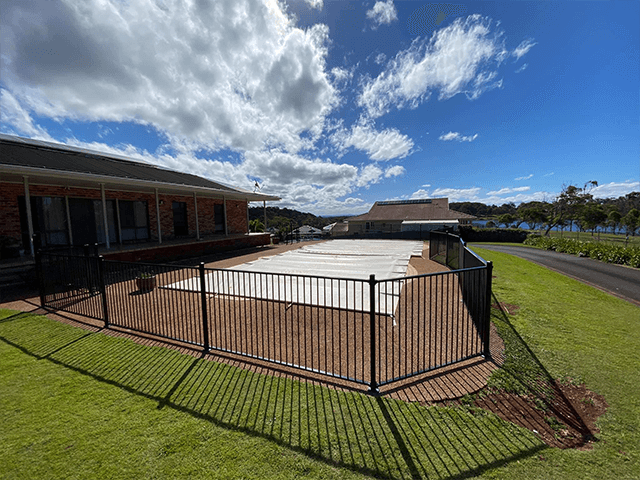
[(506, 219), (592, 215), (535, 215), (631, 221), (256, 225), (613, 219), (568, 204)]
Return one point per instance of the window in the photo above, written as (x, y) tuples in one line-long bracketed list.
[(218, 213), (180, 224), (134, 220), (49, 218)]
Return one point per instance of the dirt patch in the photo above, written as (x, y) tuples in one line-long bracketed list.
[(565, 419), (506, 307)]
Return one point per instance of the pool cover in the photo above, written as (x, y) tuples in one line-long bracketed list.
[(326, 274)]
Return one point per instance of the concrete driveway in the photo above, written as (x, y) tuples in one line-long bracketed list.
[(623, 282)]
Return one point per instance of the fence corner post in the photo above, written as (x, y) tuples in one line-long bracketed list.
[(102, 286), (487, 313), (373, 384), (40, 277), (205, 316)]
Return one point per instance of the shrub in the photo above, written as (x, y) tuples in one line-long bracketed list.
[(629, 255)]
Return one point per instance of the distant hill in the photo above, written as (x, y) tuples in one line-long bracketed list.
[(281, 218)]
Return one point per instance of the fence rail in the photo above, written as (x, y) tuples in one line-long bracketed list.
[(368, 331)]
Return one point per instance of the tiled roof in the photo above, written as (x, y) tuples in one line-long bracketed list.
[(423, 209)]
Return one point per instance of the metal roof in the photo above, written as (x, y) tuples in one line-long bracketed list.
[(38, 157)]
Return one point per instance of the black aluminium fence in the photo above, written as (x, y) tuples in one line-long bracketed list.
[(368, 331)]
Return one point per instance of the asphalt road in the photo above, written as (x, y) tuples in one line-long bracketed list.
[(623, 282)]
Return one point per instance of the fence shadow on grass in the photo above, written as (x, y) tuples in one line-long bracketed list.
[(375, 436), (522, 371)]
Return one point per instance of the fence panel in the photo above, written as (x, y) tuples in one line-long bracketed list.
[(142, 298), (71, 283), (432, 326), (312, 323)]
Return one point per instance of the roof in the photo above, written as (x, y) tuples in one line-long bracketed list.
[(32, 157), (418, 210)]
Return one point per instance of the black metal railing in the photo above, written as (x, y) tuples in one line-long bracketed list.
[(368, 331)]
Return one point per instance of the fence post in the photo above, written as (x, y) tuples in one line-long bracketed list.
[(373, 384), (446, 249), (102, 288), (205, 316), (40, 277), (487, 313)]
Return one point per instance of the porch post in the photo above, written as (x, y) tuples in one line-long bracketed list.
[(248, 229), (224, 211), (104, 216), (264, 207), (158, 217), (66, 206), (118, 222), (27, 199), (195, 203)]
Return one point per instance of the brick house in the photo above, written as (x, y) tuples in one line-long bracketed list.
[(407, 217), (71, 196)]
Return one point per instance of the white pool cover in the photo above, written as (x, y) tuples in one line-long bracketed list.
[(291, 276)]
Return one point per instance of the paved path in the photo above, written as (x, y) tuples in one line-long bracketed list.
[(623, 282)]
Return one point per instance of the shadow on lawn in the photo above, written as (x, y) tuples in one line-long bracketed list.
[(375, 436)]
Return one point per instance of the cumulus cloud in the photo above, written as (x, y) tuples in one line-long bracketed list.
[(461, 58), (458, 137), (16, 120), (395, 171), (379, 145), (524, 47), (229, 74), (453, 194), (383, 13), (615, 189), (317, 4), (370, 174), (506, 190)]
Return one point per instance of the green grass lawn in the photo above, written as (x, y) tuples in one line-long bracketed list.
[(78, 404), (615, 239)]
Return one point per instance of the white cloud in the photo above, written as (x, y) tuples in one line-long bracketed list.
[(505, 191), (453, 194), (522, 68), (380, 58), (379, 145), (227, 74), (460, 58), (395, 171), (524, 47), (549, 174), (615, 189), (370, 174), (317, 4), (383, 13), (527, 177), (447, 137), (16, 120)]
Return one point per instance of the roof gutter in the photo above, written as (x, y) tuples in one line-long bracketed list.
[(106, 179)]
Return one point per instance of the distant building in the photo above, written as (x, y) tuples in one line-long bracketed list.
[(307, 231), (338, 229), (396, 216)]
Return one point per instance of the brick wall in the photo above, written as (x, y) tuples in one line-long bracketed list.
[(236, 210)]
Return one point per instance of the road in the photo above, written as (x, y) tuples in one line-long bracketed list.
[(623, 282)]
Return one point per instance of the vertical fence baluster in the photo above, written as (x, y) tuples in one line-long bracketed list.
[(373, 384), (205, 316), (487, 312), (103, 290)]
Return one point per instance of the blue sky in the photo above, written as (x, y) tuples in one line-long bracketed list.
[(334, 105)]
